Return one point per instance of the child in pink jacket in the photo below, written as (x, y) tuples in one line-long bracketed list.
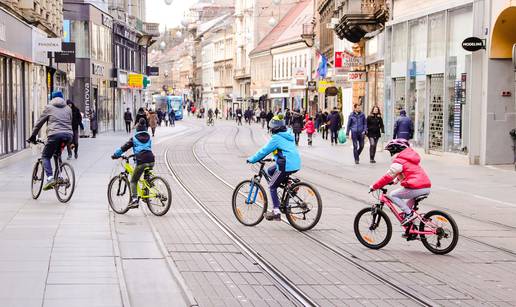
[(310, 129)]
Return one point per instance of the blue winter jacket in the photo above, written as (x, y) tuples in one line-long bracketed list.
[(285, 152), (357, 123), (403, 128)]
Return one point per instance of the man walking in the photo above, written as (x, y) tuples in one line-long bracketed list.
[(128, 118), (357, 124), (404, 127), (334, 124), (76, 123)]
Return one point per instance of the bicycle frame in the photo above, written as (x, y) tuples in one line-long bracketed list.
[(384, 200), (143, 185)]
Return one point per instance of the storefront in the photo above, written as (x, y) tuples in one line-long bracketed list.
[(280, 97), (427, 73), (374, 53)]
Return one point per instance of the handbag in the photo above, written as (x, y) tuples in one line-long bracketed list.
[(342, 136)]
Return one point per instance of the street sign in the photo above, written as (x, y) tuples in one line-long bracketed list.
[(152, 71), (67, 55), (48, 44), (473, 44), (357, 76)]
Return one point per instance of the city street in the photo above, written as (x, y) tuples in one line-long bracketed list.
[(198, 254)]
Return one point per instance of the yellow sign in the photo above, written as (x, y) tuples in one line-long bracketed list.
[(323, 85), (135, 81)]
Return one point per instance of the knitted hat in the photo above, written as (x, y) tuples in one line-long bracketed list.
[(57, 94), (277, 122)]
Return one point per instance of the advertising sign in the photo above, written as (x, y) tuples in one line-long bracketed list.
[(357, 76), (135, 81), (152, 71), (48, 44), (473, 44), (346, 60), (67, 55)]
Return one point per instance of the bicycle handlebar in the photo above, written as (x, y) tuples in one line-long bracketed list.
[(37, 141), (263, 161), (123, 157)]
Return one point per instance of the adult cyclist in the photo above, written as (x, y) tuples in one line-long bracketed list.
[(58, 117), (210, 116)]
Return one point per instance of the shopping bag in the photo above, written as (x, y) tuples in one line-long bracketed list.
[(342, 136)]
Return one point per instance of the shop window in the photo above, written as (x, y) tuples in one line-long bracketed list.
[(399, 46), (436, 112), (80, 35), (399, 95), (436, 34)]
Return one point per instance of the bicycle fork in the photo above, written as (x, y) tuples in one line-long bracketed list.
[(253, 194)]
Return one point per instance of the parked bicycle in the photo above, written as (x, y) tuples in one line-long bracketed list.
[(153, 190), (300, 201), (436, 229), (63, 174)]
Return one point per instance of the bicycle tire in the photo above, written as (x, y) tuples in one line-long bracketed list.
[(365, 238), (293, 220), (238, 212), (71, 176), (38, 176), (119, 178), (455, 228), (168, 200)]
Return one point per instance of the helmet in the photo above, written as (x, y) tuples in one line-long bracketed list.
[(397, 145)]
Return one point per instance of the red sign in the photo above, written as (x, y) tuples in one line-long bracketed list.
[(338, 59), (346, 60)]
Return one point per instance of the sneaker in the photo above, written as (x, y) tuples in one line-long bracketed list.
[(373, 161), (357, 162), (49, 185), (271, 216), (408, 218), (133, 204), (69, 157), (76, 155)]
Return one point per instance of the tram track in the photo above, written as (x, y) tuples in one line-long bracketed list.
[(348, 257), (501, 249)]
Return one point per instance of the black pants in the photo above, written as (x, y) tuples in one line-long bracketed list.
[(296, 136), (75, 142), (325, 133), (358, 144), (373, 142), (335, 136), (53, 146), (128, 126)]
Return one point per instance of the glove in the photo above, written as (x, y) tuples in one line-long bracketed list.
[(32, 139), (114, 157), (247, 161), (371, 189)]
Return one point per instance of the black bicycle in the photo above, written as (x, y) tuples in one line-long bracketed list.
[(63, 173), (210, 121), (299, 201)]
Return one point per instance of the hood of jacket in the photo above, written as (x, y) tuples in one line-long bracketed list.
[(58, 102), (287, 135), (408, 155)]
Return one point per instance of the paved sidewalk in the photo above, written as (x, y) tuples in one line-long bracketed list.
[(78, 254)]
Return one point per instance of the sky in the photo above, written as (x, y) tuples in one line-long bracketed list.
[(170, 15)]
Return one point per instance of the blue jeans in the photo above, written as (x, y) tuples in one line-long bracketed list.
[(53, 146), (277, 178), (358, 144)]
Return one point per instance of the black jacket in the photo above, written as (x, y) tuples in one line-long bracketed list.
[(334, 119), (145, 156), (128, 116), (297, 123), (76, 119), (141, 115), (375, 126)]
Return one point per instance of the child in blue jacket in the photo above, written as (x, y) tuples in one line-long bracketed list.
[(288, 161)]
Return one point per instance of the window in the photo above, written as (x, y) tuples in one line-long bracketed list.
[(94, 41), (436, 34), (80, 35), (399, 46)]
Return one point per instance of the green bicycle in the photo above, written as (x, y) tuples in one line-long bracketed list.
[(153, 190)]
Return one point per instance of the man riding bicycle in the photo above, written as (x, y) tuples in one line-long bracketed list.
[(288, 161), (210, 115), (58, 117)]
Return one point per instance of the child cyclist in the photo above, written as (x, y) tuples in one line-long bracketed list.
[(141, 143), (287, 158), (405, 168)]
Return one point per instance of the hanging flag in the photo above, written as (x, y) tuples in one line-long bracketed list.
[(322, 68)]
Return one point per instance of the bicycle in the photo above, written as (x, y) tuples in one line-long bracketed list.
[(63, 173), (250, 202), (153, 190), (433, 228), (210, 121)]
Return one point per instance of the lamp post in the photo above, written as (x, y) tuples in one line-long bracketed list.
[(308, 37)]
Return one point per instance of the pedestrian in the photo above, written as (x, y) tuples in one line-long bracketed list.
[(160, 116), (94, 125), (404, 127), (269, 116), (128, 118), (357, 124), (172, 117), (152, 119), (239, 116), (263, 117), (297, 125), (216, 113), (310, 129), (76, 124), (141, 114), (318, 118), (325, 125), (334, 124), (229, 115), (288, 117), (374, 131)]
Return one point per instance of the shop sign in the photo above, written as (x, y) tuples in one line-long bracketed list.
[(312, 85), (67, 55), (357, 76), (276, 90), (473, 44), (87, 106), (135, 81), (299, 73), (284, 89), (346, 60), (97, 69), (152, 71), (48, 44), (323, 85), (122, 78)]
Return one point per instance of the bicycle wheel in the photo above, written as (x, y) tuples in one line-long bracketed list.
[(370, 230), (119, 194), (304, 207), (160, 196), (249, 202), (447, 232), (65, 185), (38, 175)]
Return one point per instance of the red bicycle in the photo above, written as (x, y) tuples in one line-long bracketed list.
[(436, 229)]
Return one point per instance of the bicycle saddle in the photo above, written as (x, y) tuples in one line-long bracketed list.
[(420, 198)]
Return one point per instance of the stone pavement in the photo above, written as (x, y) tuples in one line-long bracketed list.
[(78, 254)]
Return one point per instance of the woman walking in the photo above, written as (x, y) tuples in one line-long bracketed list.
[(297, 125), (374, 131), (153, 121)]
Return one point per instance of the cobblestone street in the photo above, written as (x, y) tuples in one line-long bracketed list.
[(81, 254)]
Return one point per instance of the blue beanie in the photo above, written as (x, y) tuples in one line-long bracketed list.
[(57, 94)]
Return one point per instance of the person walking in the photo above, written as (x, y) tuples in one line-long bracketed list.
[(172, 117), (268, 117), (76, 124), (263, 118), (297, 125), (141, 114), (334, 125), (238, 113), (404, 127), (94, 125), (128, 118), (310, 129), (216, 113), (288, 117), (153, 121), (374, 131), (357, 124), (324, 125), (159, 113), (318, 118)]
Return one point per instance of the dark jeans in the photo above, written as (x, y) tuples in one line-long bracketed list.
[(172, 120), (138, 171), (75, 142), (296, 136), (325, 133), (153, 129), (277, 178), (128, 126), (373, 141), (335, 136), (358, 144), (53, 146)]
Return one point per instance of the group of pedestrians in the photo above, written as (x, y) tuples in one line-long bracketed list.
[(152, 118)]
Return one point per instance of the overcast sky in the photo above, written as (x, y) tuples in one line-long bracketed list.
[(171, 15)]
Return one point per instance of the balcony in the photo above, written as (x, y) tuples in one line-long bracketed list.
[(359, 17)]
